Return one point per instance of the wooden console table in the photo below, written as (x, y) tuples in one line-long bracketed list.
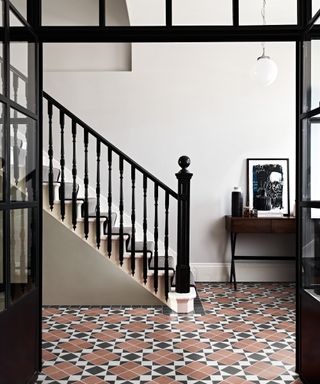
[(236, 225)]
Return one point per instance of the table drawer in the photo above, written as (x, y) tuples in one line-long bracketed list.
[(252, 226), (283, 226)]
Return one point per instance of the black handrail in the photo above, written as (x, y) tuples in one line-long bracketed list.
[(110, 145)]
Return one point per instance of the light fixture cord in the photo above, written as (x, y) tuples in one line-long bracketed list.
[(264, 22)]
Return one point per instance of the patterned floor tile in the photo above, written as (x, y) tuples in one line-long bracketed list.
[(244, 337)]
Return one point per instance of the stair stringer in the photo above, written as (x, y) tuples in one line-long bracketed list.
[(77, 273)]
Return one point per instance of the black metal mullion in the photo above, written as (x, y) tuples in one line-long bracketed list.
[(235, 12), (102, 13), (174, 34), (39, 194), (19, 108), (16, 150), (34, 13), (7, 155), (168, 13)]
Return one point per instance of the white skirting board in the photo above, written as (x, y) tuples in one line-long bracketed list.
[(252, 271)]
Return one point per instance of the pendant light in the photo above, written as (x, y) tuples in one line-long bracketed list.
[(265, 70)]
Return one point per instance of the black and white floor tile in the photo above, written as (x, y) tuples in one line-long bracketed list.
[(244, 337)]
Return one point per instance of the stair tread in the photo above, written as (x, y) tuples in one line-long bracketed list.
[(161, 272), (46, 182), (66, 201), (45, 173), (139, 246), (126, 231), (192, 280), (161, 262)]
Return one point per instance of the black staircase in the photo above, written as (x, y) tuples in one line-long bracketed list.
[(91, 206)]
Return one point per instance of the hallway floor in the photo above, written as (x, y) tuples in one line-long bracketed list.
[(245, 337)]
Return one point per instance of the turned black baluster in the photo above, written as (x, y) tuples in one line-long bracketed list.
[(166, 246), (156, 236), (121, 208), (62, 165), (145, 227), (50, 154), (98, 227), (86, 186), (110, 202), (183, 246), (74, 174), (16, 149), (133, 221)]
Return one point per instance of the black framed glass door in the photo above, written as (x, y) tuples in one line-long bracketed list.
[(20, 199), (308, 192)]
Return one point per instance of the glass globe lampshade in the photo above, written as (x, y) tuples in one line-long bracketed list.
[(265, 71)]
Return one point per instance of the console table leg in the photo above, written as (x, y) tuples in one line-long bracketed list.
[(233, 237)]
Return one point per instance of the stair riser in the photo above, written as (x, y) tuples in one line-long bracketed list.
[(45, 191), (92, 230), (161, 288)]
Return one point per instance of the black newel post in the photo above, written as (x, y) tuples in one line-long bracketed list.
[(183, 249)]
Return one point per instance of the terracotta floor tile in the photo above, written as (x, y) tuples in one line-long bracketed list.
[(163, 335), (163, 357), (163, 380), (271, 335), (134, 345), (129, 371), (197, 371), (265, 370), (250, 345), (235, 380), (226, 357), (108, 335), (192, 345), (285, 356), (217, 335), (243, 338)]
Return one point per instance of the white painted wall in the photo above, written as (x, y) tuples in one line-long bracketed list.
[(199, 100)]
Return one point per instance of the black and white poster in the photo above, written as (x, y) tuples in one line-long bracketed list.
[(268, 185)]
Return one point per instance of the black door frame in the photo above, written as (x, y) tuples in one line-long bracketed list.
[(174, 34), (20, 321)]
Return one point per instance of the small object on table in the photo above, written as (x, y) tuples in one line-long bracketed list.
[(246, 212), (236, 202)]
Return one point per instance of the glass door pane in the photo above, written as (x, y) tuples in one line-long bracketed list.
[(22, 251), (311, 252), (22, 74), (310, 159), (22, 157)]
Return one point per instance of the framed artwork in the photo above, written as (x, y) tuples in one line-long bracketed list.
[(268, 186)]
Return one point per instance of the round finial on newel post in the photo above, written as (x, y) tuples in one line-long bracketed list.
[(184, 162)]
